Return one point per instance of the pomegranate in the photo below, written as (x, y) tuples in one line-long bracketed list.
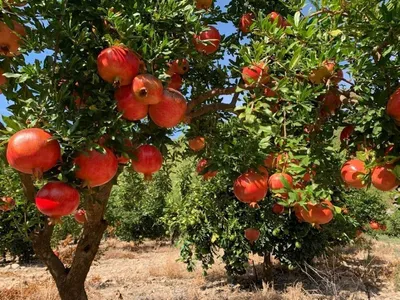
[(178, 66), (203, 4), (346, 133), (201, 165), (170, 111), (309, 175), (245, 22), (383, 178), (256, 74), (270, 93), (330, 103), (318, 214), (175, 82), (148, 160), (276, 183), (147, 89), (10, 38), (281, 22), (297, 211), (118, 65), (251, 187), (131, 108), (207, 42), (270, 161), (96, 168), (128, 145), (338, 76), (252, 234), (57, 199), (393, 105), (80, 216), (3, 79), (198, 143), (322, 73), (278, 209), (33, 151), (352, 173), (374, 225), (7, 203)]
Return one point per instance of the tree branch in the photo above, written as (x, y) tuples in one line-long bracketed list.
[(27, 186), (327, 11), (210, 94)]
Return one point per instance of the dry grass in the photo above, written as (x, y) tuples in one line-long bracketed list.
[(33, 291), (118, 254), (171, 270)]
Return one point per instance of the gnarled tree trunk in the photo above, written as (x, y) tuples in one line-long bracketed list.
[(71, 281)]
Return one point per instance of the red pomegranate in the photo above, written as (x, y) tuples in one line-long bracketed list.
[(251, 187), (96, 168), (270, 161), (276, 183), (178, 66), (80, 216), (3, 79), (170, 111), (270, 93), (175, 82), (374, 225), (207, 42), (278, 209), (33, 151), (252, 234), (10, 38), (309, 175), (147, 89), (7, 203), (330, 103), (201, 165), (281, 22), (57, 199), (118, 65), (203, 4), (198, 143), (318, 214), (383, 178), (297, 210), (148, 160), (128, 145), (393, 105), (352, 173), (245, 22), (256, 74), (128, 105), (346, 133)]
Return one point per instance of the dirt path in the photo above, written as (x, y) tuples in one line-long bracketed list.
[(150, 271)]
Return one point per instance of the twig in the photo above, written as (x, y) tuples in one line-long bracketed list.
[(327, 11)]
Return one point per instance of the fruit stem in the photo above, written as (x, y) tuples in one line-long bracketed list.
[(148, 177)]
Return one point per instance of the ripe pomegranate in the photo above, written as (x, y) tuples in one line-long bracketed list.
[(170, 111), (118, 65), (201, 165), (393, 105), (346, 133), (203, 4), (256, 74), (278, 209), (148, 160), (207, 42), (374, 225), (128, 145), (245, 22), (383, 178), (309, 175), (322, 73), (131, 108), (147, 89), (252, 234), (96, 168), (269, 93), (276, 183), (3, 79), (330, 103), (297, 211), (175, 82), (57, 199), (198, 143), (80, 216), (251, 187), (281, 21), (10, 38), (352, 173), (318, 214), (33, 151), (178, 66), (7, 203), (270, 161)]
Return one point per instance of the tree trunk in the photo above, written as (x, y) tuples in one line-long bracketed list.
[(267, 267), (71, 281)]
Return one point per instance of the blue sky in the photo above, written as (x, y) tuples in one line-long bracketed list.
[(224, 28)]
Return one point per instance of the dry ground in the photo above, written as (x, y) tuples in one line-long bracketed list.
[(150, 271)]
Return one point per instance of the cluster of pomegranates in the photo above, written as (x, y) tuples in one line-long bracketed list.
[(247, 20)]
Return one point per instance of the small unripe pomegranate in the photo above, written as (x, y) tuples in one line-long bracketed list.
[(118, 65), (175, 82), (10, 38), (207, 42), (198, 143), (148, 160), (178, 66), (131, 108), (147, 89), (80, 216), (252, 234), (245, 22), (57, 199), (256, 74)]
